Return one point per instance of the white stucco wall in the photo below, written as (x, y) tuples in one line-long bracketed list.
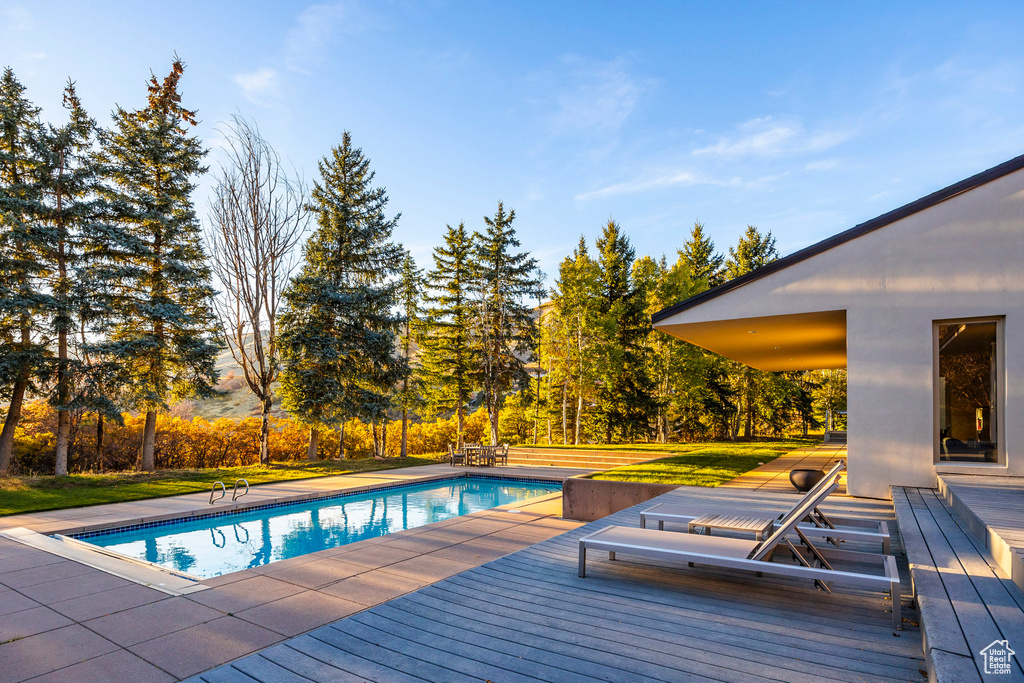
[(962, 258)]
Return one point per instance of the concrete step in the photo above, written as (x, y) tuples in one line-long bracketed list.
[(568, 463), (835, 436), (573, 458)]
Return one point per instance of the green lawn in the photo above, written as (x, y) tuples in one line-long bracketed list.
[(33, 494), (702, 464)]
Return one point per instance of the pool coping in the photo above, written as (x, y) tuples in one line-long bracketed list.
[(67, 522), (195, 515)]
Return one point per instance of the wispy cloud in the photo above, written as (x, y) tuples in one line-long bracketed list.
[(596, 96), (261, 86), (656, 182), (15, 18), (769, 136), (823, 165), (316, 27)]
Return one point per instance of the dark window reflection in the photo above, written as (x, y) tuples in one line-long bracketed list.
[(968, 392)]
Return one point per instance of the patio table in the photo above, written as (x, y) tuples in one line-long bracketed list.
[(759, 526)]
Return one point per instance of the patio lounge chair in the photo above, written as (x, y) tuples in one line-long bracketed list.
[(815, 523), (755, 556)]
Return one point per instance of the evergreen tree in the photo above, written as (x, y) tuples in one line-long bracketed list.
[(503, 279), (700, 257), (448, 359), (411, 279), (149, 262), (626, 402), (753, 251), (67, 179), (339, 327), (22, 299)]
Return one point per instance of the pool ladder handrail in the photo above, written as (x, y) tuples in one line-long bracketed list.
[(223, 490), (234, 491)]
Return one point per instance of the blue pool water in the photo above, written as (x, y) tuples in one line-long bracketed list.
[(228, 543)]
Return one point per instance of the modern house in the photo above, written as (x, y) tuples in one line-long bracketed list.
[(923, 305)]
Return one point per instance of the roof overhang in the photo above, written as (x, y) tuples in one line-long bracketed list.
[(799, 341)]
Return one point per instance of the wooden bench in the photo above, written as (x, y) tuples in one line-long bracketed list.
[(965, 603)]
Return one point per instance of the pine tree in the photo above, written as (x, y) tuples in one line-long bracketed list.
[(503, 279), (22, 298), (699, 254), (410, 295), (447, 357), (150, 262), (753, 251), (625, 398), (67, 179), (338, 329)]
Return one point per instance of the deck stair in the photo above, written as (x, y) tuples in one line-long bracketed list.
[(835, 436), (591, 459), (966, 603)]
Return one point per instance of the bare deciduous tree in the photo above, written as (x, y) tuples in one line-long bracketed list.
[(257, 217)]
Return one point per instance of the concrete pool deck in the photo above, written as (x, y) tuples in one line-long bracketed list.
[(62, 620)]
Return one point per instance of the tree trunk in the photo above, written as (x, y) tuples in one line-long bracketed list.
[(494, 424), (63, 419), (341, 441), (314, 441), (579, 419), (565, 421), (99, 439), (384, 437), (265, 431), (63, 431), (405, 434), (149, 442), (376, 439), (11, 420), (462, 423)]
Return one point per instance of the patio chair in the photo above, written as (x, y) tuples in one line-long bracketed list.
[(456, 456), (815, 523), (501, 454), (755, 556)]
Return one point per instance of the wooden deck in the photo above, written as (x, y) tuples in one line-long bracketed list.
[(993, 509), (527, 616), (965, 603)]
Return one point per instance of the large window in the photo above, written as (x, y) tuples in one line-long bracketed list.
[(968, 391)]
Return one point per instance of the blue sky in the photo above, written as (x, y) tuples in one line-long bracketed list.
[(800, 118)]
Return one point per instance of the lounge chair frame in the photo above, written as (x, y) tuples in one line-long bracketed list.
[(815, 523), (731, 553)]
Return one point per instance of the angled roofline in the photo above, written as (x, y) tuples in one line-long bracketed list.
[(885, 219)]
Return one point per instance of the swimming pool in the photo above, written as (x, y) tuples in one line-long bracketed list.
[(220, 544)]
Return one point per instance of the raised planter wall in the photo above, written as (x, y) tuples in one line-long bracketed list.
[(588, 499)]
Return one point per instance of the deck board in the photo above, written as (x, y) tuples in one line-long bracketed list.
[(528, 615), (966, 602), (992, 507)]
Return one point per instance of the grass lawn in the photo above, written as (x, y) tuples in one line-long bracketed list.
[(701, 464), (33, 494)]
